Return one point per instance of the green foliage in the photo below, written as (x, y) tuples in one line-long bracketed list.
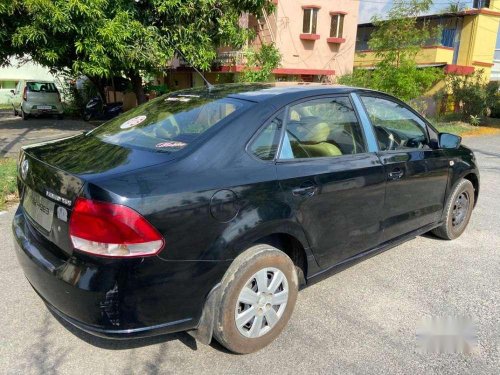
[(260, 63), (8, 170), (405, 81), (399, 38), (104, 38), (454, 7), (473, 94), (474, 120), (396, 41), (495, 110)]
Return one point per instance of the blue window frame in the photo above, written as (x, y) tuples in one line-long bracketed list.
[(448, 37)]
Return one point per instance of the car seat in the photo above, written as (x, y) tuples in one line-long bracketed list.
[(317, 143)]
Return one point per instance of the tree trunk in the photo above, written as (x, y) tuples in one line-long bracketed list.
[(99, 85), (137, 87)]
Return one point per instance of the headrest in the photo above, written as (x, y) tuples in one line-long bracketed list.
[(319, 133)]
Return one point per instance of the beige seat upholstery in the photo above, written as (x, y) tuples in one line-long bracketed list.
[(316, 143)]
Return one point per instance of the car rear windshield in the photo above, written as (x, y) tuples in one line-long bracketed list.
[(41, 87), (168, 123)]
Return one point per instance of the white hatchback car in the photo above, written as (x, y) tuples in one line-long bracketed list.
[(34, 98)]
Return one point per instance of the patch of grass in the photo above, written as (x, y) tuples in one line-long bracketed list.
[(463, 129), (8, 186), (5, 106)]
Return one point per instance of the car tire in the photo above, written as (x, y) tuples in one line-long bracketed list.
[(458, 211), (245, 294), (24, 115), (15, 111), (87, 116), (60, 117)]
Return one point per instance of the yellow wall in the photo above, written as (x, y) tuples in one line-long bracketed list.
[(435, 54), (479, 35), (477, 44), (477, 41)]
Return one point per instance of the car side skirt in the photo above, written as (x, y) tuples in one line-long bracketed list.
[(324, 274)]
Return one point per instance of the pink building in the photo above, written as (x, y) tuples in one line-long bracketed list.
[(316, 39)]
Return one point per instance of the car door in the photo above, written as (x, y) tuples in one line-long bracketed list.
[(416, 171), (16, 97), (331, 180)]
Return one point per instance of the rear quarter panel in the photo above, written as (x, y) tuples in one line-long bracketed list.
[(177, 197)]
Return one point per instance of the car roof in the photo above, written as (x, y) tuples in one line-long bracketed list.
[(39, 81), (271, 92), (262, 92)]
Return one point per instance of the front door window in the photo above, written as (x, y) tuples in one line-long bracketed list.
[(396, 127)]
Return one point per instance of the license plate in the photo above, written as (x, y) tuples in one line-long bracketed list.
[(44, 107), (40, 209)]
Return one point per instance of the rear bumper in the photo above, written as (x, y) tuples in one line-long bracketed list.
[(119, 299), (32, 109)]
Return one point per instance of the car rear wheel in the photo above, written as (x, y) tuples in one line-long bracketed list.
[(258, 294), (458, 211), (24, 115)]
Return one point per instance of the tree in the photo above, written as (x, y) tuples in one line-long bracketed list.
[(473, 94), (454, 7), (104, 38), (260, 63), (396, 42)]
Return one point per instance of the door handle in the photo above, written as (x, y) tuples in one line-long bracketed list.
[(305, 191), (396, 174)]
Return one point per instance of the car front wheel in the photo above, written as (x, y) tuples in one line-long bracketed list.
[(258, 294), (458, 211)]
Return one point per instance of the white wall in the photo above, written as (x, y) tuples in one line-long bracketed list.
[(17, 71)]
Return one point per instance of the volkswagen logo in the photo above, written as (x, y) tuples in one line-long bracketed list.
[(25, 165)]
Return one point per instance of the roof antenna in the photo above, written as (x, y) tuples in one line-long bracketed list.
[(209, 85)]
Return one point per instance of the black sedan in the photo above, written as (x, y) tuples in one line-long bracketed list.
[(207, 209)]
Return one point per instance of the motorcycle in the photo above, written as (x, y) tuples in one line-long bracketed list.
[(95, 109)]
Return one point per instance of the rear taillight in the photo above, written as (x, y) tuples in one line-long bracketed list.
[(112, 230), (25, 93)]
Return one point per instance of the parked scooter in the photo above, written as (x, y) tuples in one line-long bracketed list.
[(95, 109)]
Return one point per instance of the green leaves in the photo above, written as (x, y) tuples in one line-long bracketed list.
[(260, 63), (111, 37), (396, 41), (473, 94)]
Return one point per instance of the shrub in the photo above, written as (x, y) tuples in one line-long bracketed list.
[(474, 120), (475, 97), (260, 63)]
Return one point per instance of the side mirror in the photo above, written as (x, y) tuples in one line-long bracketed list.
[(447, 140), (12, 92)]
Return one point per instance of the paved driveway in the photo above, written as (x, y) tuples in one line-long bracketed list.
[(14, 132), (360, 321)]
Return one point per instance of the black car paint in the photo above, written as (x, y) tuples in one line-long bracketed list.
[(213, 201)]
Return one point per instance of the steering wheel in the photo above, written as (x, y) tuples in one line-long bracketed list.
[(417, 142), (389, 136)]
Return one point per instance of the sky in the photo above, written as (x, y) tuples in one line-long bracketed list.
[(369, 8)]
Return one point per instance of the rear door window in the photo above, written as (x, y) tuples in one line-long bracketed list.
[(326, 127), (169, 124), (41, 87), (265, 145)]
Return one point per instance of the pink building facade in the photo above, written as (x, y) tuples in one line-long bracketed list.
[(316, 39)]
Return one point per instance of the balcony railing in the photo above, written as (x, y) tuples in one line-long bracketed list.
[(231, 58)]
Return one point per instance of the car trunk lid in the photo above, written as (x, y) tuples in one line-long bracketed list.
[(53, 174), (43, 98)]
